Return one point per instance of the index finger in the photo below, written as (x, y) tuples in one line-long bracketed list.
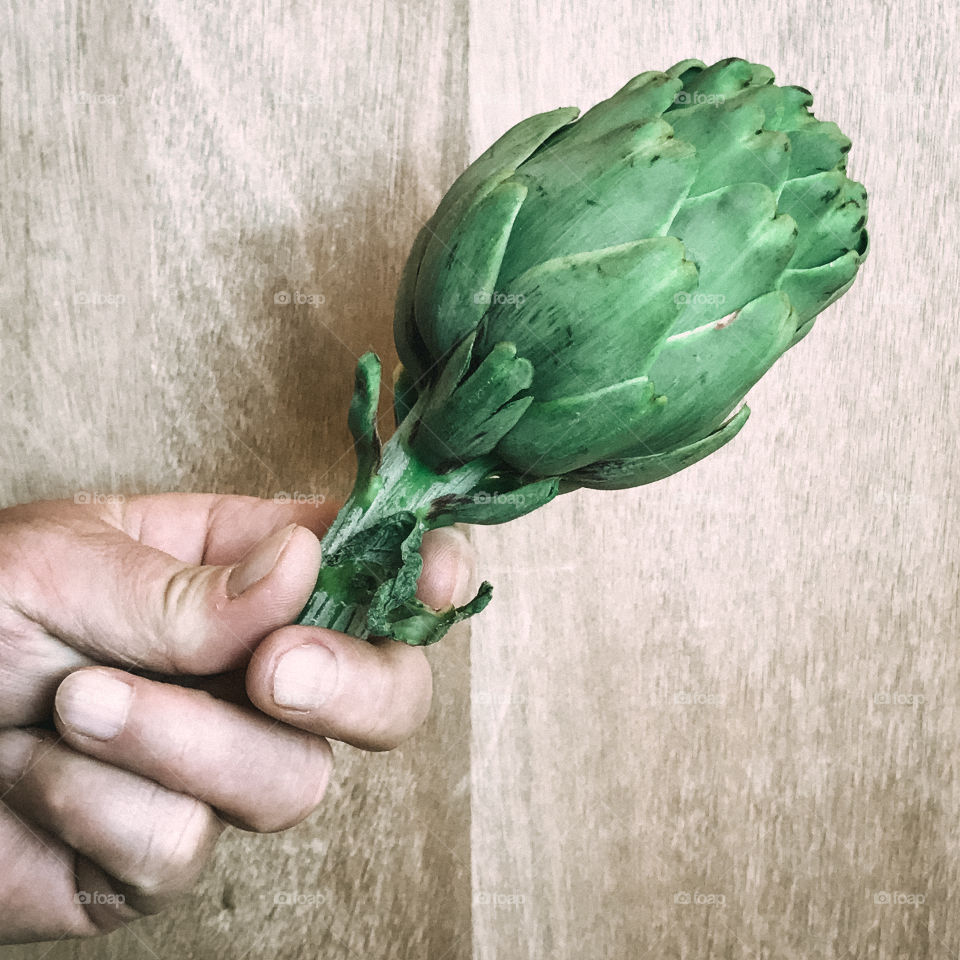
[(209, 528)]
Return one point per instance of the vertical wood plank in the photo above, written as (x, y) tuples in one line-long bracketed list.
[(716, 717), (205, 215)]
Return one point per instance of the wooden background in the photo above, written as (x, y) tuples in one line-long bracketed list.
[(736, 688)]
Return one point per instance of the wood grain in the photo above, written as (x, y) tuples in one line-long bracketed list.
[(735, 688), (171, 174)]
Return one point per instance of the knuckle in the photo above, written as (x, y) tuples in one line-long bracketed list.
[(60, 802), (293, 798), (377, 727), (175, 846), (402, 700), (181, 615), (383, 726)]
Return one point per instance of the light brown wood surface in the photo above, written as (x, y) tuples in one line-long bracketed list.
[(737, 687)]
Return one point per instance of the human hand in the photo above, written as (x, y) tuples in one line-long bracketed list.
[(111, 812)]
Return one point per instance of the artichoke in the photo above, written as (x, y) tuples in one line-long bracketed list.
[(588, 307)]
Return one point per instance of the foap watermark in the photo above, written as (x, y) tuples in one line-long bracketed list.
[(99, 898), (499, 298), (284, 298), (682, 298), (313, 499), (101, 99), (499, 899), (697, 898), (306, 99), (698, 698), (85, 497), (899, 898), (295, 898), (691, 98), (97, 299), (896, 698), (509, 499)]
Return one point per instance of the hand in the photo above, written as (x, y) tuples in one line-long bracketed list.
[(111, 811)]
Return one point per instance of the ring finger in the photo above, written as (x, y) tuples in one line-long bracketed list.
[(154, 841)]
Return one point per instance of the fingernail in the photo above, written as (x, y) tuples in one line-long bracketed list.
[(93, 704), (453, 542), (16, 750), (305, 677), (261, 559)]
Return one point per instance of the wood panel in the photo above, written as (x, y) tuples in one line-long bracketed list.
[(737, 687), (169, 172), (734, 688)]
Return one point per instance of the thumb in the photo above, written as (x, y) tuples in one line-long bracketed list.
[(120, 601)]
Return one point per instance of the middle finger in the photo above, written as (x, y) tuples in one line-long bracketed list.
[(261, 774)]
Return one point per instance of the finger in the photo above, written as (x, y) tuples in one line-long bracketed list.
[(261, 774), (32, 664), (118, 601), (193, 527), (211, 528), (35, 860), (371, 695), (154, 841), (449, 576), (449, 568)]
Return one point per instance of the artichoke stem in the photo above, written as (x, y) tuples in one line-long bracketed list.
[(363, 550), (371, 553)]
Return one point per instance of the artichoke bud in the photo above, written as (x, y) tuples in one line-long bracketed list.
[(594, 297)]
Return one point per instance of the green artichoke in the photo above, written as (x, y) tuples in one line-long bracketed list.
[(588, 307)]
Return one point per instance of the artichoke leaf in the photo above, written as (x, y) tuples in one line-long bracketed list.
[(587, 318), (705, 373), (477, 412), (456, 287), (362, 421), (685, 70), (643, 98), (720, 80), (619, 474), (817, 146), (830, 212), (815, 288), (494, 504), (732, 145), (626, 186), (487, 171), (404, 393), (395, 610), (785, 108), (411, 349), (557, 436), (740, 245)]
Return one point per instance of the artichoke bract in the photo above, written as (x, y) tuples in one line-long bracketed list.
[(588, 307)]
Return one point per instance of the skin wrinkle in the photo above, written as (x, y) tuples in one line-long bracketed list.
[(178, 829), (212, 512), (51, 582), (161, 864), (22, 658), (177, 595)]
